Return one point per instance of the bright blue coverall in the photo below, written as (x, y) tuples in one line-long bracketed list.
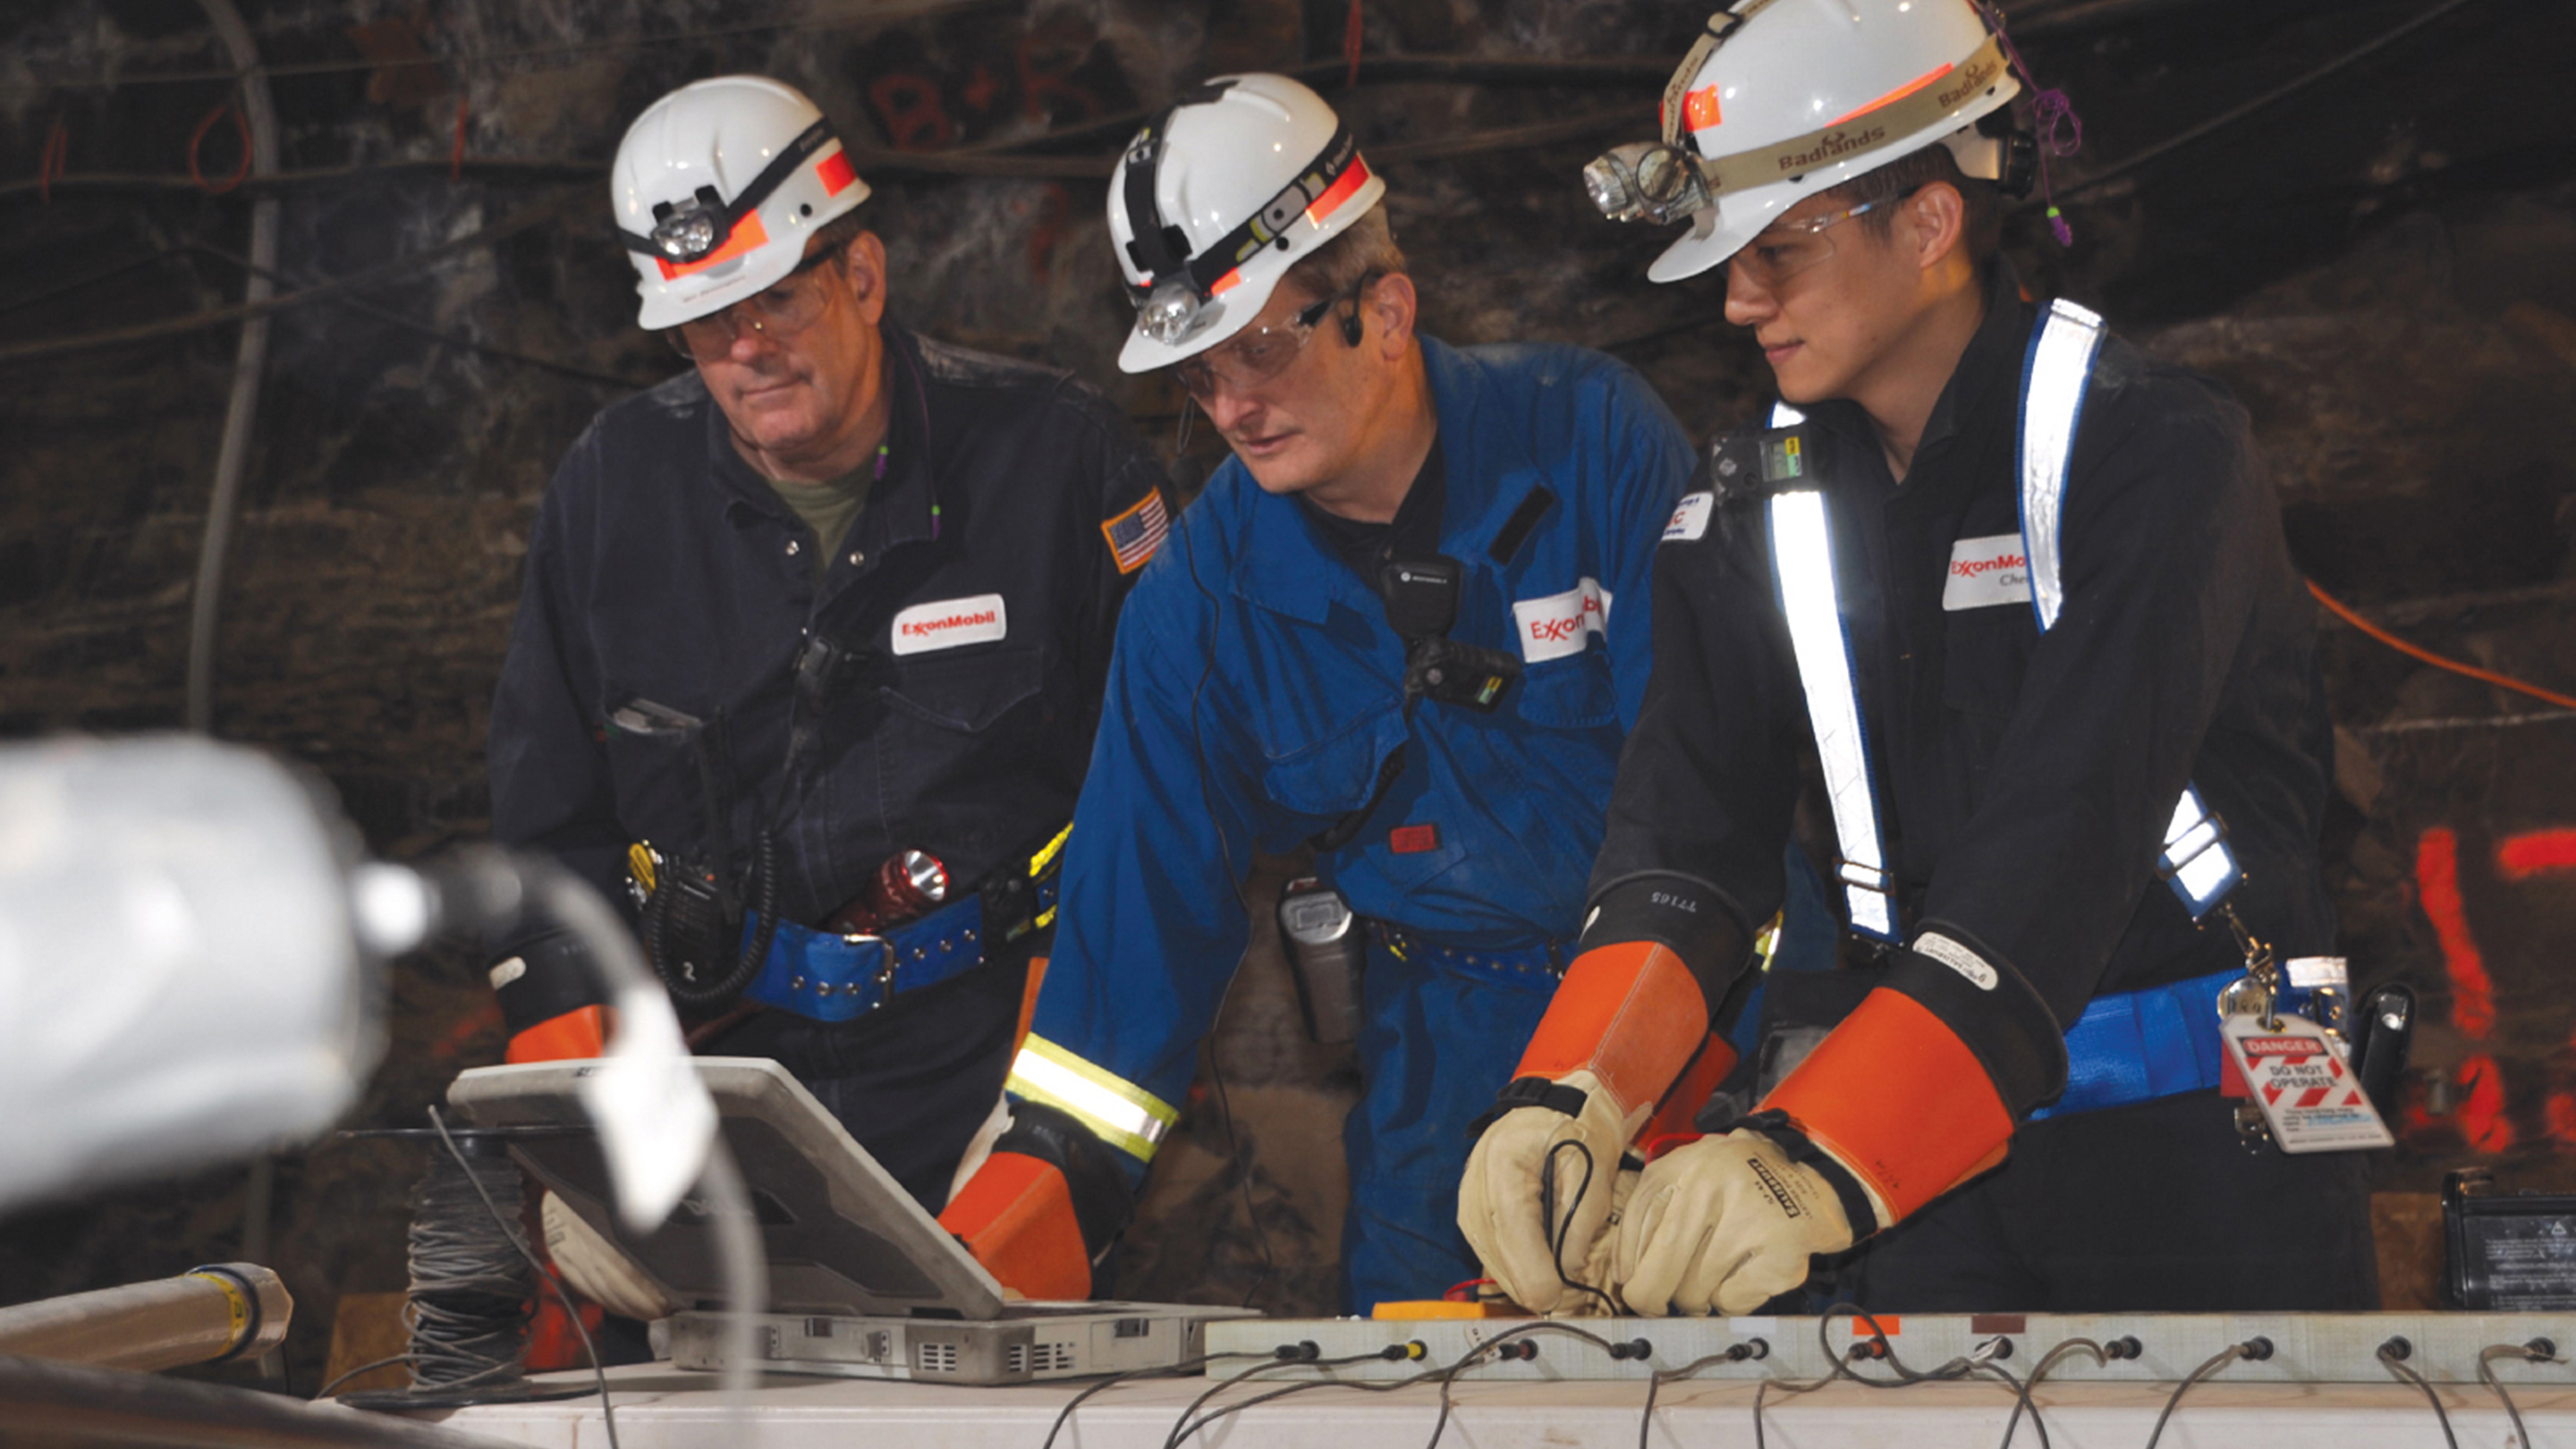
[(1255, 690)]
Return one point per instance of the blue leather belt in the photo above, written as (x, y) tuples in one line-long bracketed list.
[(2141, 1045), (834, 978), (1546, 962)]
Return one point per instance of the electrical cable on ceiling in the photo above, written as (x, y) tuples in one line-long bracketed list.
[(453, 339), (402, 268), (2269, 98), (2346, 613), (883, 12)]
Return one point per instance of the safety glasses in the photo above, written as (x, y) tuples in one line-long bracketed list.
[(782, 309), (1258, 354), (1785, 248)]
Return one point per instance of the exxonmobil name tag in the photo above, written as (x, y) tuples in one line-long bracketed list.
[(948, 623), (1987, 571), (1558, 625)]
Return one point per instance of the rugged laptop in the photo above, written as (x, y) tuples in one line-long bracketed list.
[(862, 1282)]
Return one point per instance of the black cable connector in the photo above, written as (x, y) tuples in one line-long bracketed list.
[(1304, 1350), (2126, 1346), (2392, 1356), (1410, 1349), (2256, 1349), (1633, 1348)]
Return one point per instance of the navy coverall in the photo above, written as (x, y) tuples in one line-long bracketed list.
[(974, 599), (2025, 781)]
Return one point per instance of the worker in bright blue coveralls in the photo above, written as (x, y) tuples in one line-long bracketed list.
[(1265, 692)]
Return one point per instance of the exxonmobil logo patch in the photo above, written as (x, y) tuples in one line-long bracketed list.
[(948, 623), (1559, 625), (1987, 571)]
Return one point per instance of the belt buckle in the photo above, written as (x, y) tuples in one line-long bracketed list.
[(884, 981)]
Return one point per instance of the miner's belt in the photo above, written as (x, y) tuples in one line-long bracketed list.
[(2141, 1045), (1544, 962), (830, 977)]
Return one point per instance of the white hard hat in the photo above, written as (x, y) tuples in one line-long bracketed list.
[(1217, 198), (717, 185), (1781, 99)]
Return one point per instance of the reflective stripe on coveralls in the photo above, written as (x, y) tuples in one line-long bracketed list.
[(2196, 861)]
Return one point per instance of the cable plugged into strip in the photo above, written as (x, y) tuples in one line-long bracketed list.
[(2125, 1347), (2393, 1355), (2253, 1350)]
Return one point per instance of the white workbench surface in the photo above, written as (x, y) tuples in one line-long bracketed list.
[(660, 1408)]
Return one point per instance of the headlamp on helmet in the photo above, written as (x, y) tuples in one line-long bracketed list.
[(697, 226), (1648, 181), (1176, 288), (1170, 311), (689, 229)]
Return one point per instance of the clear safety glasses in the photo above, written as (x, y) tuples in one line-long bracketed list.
[(1785, 248), (1258, 354), (784, 308)]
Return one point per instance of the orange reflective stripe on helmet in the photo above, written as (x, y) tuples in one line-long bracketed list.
[(1900, 1100)]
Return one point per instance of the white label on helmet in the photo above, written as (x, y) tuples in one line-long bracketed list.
[(1560, 624), (1985, 572), (1958, 958), (507, 972), (1690, 520), (948, 623)]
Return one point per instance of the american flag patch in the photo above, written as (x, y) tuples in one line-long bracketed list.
[(1135, 534)]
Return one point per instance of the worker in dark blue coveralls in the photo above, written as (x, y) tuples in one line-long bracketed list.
[(2025, 590), (836, 594), (1405, 622)]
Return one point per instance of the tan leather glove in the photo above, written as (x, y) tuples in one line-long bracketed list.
[(593, 1267), (1500, 1205), (1725, 1224)]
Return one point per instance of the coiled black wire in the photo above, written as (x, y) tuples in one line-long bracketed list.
[(471, 1291), (661, 921)]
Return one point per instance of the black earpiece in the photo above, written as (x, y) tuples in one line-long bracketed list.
[(1351, 324)]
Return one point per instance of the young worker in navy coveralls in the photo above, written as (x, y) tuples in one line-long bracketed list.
[(838, 592), (1259, 694), (2023, 781)]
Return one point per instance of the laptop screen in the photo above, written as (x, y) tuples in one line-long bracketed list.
[(842, 1237)]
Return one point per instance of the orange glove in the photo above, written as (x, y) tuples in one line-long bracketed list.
[(551, 997), (1913, 1094), (1631, 1014), (1042, 1211)]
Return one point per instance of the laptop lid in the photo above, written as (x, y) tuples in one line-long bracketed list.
[(842, 1237)]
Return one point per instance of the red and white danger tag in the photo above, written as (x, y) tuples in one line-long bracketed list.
[(2295, 1073)]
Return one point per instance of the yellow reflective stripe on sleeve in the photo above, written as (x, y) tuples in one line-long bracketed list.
[(1116, 1110), (1045, 857)]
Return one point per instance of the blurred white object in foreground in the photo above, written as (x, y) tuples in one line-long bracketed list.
[(190, 959)]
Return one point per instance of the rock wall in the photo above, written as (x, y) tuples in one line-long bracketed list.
[(2377, 264)]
